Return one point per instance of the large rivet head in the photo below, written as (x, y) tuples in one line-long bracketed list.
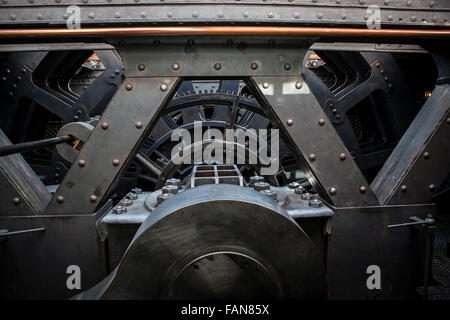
[(332, 190), (175, 66), (432, 187), (163, 87), (60, 199), (115, 162), (16, 200), (93, 198), (342, 156), (129, 87), (81, 162), (404, 188), (290, 122), (298, 85), (217, 66), (321, 121), (312, 157), (141, 67), (265, 85), (105, 125), (426, 155), (363, 189), (139, 124)]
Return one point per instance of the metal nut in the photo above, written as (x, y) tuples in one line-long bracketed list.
[(136, 190), (293, 185), (255, 179), (119, 209), (315, 203), (126, 202), (259, 186), (131, 196), (307, 196), (170, 189), (300, 190), (162, 197), (173, 182), (270, 193)]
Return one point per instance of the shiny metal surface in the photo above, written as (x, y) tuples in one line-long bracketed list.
[(238, 225), (224, 31)]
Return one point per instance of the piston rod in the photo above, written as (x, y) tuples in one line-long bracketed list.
[(31, 145)]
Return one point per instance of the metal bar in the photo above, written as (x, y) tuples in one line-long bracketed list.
[(128, 118), (224, 30), (330, 167), (419, 163), (13, 233), (429, 230), (31, 145), (148, 164), (368, 47), (33, 47), (21, 190)]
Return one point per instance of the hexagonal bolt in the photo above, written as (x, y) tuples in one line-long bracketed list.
[(119, 209), (259, 186), (255, 179), (162, 197), (300, 190), (293, 185), (315, 203), (131, 196), (307, 196), (173, 182), (126, 203), (270, 193), (136, 190), (170, 189)]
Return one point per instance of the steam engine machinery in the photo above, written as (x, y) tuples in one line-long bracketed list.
[(245, 149)]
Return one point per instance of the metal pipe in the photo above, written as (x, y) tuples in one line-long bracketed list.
[(13, 233), (224, 30), (148, 164), (26, 146)]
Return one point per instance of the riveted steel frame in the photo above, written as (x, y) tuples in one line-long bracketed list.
[(86, 187), (419, 163), (21, 189), (210, 57), (331, 167), (128, 118), (423, 13), (329, 164)]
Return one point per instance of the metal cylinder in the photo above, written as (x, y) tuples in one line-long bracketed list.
[(200, 246)]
